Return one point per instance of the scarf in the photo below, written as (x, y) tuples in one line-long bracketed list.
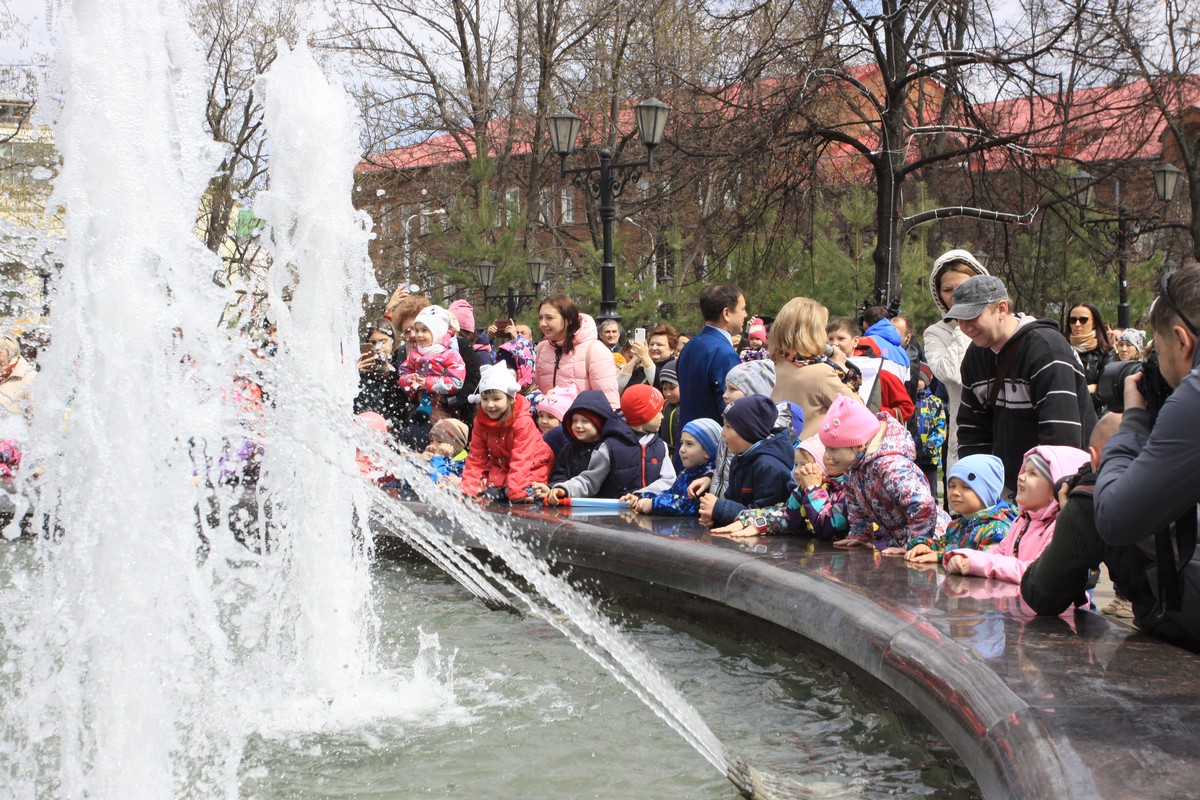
[(1084, 342), (849, 374), (432, 350)]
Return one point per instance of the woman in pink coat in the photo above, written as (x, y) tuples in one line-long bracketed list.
[(570, 355), (1029, 535)]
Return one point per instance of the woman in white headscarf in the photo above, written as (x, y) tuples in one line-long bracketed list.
[(945, 344)]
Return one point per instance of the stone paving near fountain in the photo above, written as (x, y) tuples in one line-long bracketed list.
[(1075, 706)]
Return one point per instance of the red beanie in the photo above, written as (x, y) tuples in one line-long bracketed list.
[(640, 403)]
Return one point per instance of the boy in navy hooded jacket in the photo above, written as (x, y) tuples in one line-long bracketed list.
[(761, 473), (604, 457)]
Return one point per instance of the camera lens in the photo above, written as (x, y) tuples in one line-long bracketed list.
[(1110, 386)]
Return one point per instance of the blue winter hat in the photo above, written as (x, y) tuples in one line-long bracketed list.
[(984, 474), (707, 432)]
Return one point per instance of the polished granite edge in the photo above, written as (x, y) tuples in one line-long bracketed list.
[(1035, 707)]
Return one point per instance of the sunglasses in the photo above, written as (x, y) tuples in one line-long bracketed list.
[(1163, 293), (1078, 320)]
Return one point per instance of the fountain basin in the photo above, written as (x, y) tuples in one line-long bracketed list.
[(1035, 707)]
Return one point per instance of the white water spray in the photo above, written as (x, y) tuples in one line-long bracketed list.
[(120, 660), (318, 243), (154, 640)]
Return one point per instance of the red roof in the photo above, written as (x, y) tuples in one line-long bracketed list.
[(1107, 123), (1096, 124), (448, 148)]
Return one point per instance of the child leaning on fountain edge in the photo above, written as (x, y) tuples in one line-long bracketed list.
[(623, 454), (697, 448), (447, 450), (817, 506), (888, 502), (983, 517), (507, 455), (1043, 466), (761, 472)]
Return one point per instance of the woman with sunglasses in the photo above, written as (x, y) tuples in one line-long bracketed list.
[(1086, 332)]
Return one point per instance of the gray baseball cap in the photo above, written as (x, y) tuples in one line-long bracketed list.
[(975, 294)]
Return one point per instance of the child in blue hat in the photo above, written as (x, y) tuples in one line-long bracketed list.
[(983, 518), (697, 448)]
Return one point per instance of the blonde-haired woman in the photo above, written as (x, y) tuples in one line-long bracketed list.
[(804, 374)]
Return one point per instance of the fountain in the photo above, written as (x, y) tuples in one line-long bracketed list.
[(151, 647)]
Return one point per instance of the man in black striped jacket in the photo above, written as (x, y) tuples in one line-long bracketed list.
[(1022, 383)]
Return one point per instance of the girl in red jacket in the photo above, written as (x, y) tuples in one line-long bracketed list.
[(507, 452)]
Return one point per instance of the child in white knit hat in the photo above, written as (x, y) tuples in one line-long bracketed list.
[(507, 452), (432, 371)]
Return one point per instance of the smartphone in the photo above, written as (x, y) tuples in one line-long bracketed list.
[(367, 349), (639, 334), (502, 324)]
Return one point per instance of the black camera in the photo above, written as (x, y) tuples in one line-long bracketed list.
[(1110, 386)]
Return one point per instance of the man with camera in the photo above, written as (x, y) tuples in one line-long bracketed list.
[(1147, 495)]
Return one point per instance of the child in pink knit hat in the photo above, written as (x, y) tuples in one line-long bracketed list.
[(887, 497), (1043, 467), (756, 342)]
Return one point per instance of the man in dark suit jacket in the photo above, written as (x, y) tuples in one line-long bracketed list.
[(710, 354)]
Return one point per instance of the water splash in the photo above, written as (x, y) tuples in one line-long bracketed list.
[(123, 648), (154, 639), (318, 244)]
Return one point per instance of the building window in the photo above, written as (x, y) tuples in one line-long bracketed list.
[(567, 201), (512, 205), (424, 211), (546, 212), (385, 222)]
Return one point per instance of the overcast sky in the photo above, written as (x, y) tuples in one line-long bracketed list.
[(34, 35)]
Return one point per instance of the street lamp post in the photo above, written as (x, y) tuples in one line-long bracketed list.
[(1129, 226), (607, 181), (485, 272)]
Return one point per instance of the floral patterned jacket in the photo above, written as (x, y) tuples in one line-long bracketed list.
[(817, 511), (978, 531), (887, 497), (439, 374)]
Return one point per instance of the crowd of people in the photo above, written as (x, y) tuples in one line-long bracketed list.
[(993, 444), (996, 444)]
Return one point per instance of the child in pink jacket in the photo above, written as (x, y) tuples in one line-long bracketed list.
[(433, 369), (1029, 535)]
